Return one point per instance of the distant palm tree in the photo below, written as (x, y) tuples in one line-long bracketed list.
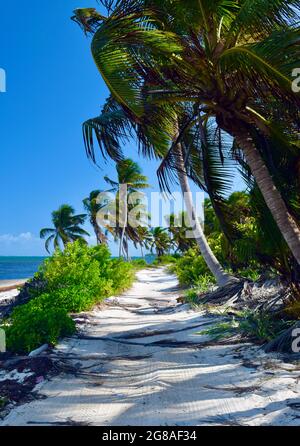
[(143, 239), (161, 242), (92, 207), (66, 227), (129, 174), (178, 229)]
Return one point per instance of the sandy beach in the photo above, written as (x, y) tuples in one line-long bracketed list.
[(7, 285), (139, 360)]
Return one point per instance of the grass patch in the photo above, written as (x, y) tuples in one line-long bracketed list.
[(252, 324)]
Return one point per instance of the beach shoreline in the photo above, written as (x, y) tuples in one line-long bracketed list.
[(11, 284)]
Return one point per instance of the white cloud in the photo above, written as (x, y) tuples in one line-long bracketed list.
[(24, 243), (16, 238)]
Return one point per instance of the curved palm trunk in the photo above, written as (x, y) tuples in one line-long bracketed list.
[(212, 262), (272, 196)]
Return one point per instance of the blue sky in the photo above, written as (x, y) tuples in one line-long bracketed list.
[(52, 87)]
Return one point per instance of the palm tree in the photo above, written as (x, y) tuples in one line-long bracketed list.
[(143, 238), (178, 229), (130, 181), (93, 206), (161, 241), (67, 227), (115, 124), (231, 59)]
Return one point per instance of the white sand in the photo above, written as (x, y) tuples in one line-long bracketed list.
[(168, 384), (7, 296)]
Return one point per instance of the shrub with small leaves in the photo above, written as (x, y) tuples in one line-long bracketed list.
[(32, 325)]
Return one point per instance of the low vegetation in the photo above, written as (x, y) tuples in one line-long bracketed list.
[(254, 325), (74, 280)]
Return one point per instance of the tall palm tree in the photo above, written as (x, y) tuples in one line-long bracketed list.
[(131, 180), (115, 124), (93, 206), (161, 241), (67, 227), (232, 59)]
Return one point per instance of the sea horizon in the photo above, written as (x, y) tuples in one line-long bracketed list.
[(24, 267), (19, 267)]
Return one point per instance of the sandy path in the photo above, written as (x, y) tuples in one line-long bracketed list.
[(148, 367)]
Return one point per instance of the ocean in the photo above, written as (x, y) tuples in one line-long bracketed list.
[(25, 267), (19, 267)]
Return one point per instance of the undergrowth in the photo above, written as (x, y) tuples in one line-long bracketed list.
[(250, 324), (73, 280)]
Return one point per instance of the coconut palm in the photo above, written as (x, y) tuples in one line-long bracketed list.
[(115, 124), (93, 206), (161, 242), (232, 59), (178, 228), (143, 238), (130, 181), (67, 227)]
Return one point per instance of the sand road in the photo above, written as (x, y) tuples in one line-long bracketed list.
[(140, 361)]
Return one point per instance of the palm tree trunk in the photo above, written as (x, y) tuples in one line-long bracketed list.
[(125, 209), (96, 230), (212, 262), (272, 196), (142, 251), (122, 240), (127, 249)]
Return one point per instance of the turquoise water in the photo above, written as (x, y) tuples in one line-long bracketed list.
[(19, 267), (25, 267)]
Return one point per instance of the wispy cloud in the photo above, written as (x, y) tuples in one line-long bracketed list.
[(24, 243), (10, 238)]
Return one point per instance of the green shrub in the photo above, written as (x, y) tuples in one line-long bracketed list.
[(204, 284), (72, 299), (191, 267), (73, 281), (33, 326), (250, 273), (86, 271), (139, 263), (166, 259), (259, 325), (122, 275), (191, 296), (76, 265)]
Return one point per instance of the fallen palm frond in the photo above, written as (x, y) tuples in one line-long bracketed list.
[(284, 341)]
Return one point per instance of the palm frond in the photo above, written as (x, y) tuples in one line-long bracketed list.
[(268, 65), (116, 50), (259, 17), (46, 232), (48, 242)]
